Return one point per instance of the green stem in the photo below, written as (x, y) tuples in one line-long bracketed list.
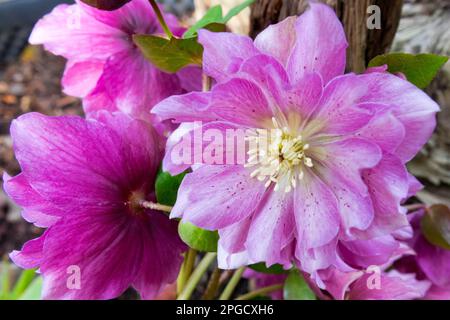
[(161, 20), (213, 285), (186, 269), (196, 276), (228, 291), (262, 291)]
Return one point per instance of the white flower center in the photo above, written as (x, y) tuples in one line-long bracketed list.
[(278, 156)]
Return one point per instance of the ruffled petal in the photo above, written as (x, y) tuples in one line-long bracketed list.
[(320, 46), (224, 53), (31, 255), (410, 105), (278, 40)]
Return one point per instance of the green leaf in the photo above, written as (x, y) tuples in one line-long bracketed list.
[(274, 269), (435, 226), (419, 69), (106, 4), (213, 15), (236, 10), (5, 280), (33, 292), (197, 238), (214, 21), (296, 288), (167, 187), (169, 55), (25, 279)]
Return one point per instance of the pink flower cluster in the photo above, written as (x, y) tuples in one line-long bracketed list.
[(326, 196)]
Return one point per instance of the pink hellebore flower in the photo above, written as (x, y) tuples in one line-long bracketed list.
[(330, 191), (84, 180), (104, 65)]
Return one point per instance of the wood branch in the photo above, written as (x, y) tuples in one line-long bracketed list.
[(364, 44)]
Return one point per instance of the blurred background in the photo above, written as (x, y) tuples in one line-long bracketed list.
[(30, 81)]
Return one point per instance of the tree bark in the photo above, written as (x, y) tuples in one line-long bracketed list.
[(364, 44)]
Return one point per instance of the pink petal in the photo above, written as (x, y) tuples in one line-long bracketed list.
[(214, 197), (278, 40), (37, 209), (338, 111), (375, 131), (321, 44), (394, 286), (388, 186), (242, 102), (80, 78), (31, 254), (107, 250), (275, 219), (158, 268), (224, 52), (410, 105), (193, 106), (75, 163), (132, 84), (71, 32), (316, 212)]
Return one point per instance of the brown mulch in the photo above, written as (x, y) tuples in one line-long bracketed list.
[(32, 84)]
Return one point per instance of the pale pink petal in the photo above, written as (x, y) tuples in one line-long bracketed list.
[(224, 53), (321, 44), (214, 197), (275, 219), (278, 40), (80, 78)]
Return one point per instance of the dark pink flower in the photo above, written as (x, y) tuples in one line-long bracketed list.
[(84, 181), (104, 66)]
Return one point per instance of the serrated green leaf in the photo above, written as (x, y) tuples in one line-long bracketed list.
[(296, 288), (33, 291), (236, 10), (197, 238), (213, 15), (419, 69), (170, 55), (274, 269), (166, 187), (435, 226)]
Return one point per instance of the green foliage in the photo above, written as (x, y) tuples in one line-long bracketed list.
[(167, 187), (214, 20), (296, 288), (170, 55), (419, 69), (435, 226), (274, 269), (27, 287), (197, 238)]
